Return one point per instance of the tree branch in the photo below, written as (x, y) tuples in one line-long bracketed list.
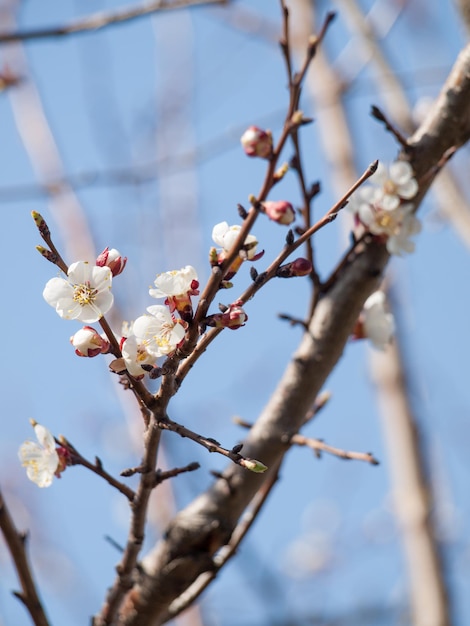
[(16, 544), (97, 21), (206, 524)]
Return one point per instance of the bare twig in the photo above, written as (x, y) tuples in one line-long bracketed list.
[(160, 475), (318, 446), (96, 468), (98, 21), (210, 444), (381, 117), (16, 544)]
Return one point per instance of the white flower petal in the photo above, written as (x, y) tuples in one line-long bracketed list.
[(101, 277), (44, 437), (174, 283), (218, 233), (79, 272), (401, 172), (390, 202), (408, 189), (379, 325), (57, 289)]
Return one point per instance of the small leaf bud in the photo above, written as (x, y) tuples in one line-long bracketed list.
[(253, 465), (41, 224)]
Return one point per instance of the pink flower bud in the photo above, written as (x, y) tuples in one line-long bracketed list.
[(87, 342), (112, 259), (257, 142), (280, 211), (299, 267), (234, 317)]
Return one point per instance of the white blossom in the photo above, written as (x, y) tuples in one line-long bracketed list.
[(175, 282), (225, 236), (135, 355), (159, 332), (378, 323), (394, 184), (85, 295), (40, 459), (382, 210)]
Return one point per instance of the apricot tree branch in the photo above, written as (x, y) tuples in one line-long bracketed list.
[(318, 446), (102, 19), (203, 527), (16, 543), (96, 468)]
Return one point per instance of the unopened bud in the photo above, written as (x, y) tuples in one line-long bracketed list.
[(297, 118), (279, 211), (299, 267), (47, 254), (257, 142), (234, 317), (40, 224), (88, 343), (112, 259), (253, 465)]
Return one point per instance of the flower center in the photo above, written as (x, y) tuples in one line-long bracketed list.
[(387, 222), (390, 188), (142, 354), (84, 294)]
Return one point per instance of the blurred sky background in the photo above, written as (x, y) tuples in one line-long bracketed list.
[(146, 119)]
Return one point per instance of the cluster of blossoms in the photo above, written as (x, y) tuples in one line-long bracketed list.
[(85, 295), (383, 206)]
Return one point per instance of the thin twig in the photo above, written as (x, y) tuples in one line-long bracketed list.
[(317, 445), (381, 117), (16, 545), (307, 200), (145, 398), (207, 442), (96, 468), (160, 475), (100, 20)]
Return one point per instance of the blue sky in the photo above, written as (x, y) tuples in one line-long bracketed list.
[(150, 93)]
